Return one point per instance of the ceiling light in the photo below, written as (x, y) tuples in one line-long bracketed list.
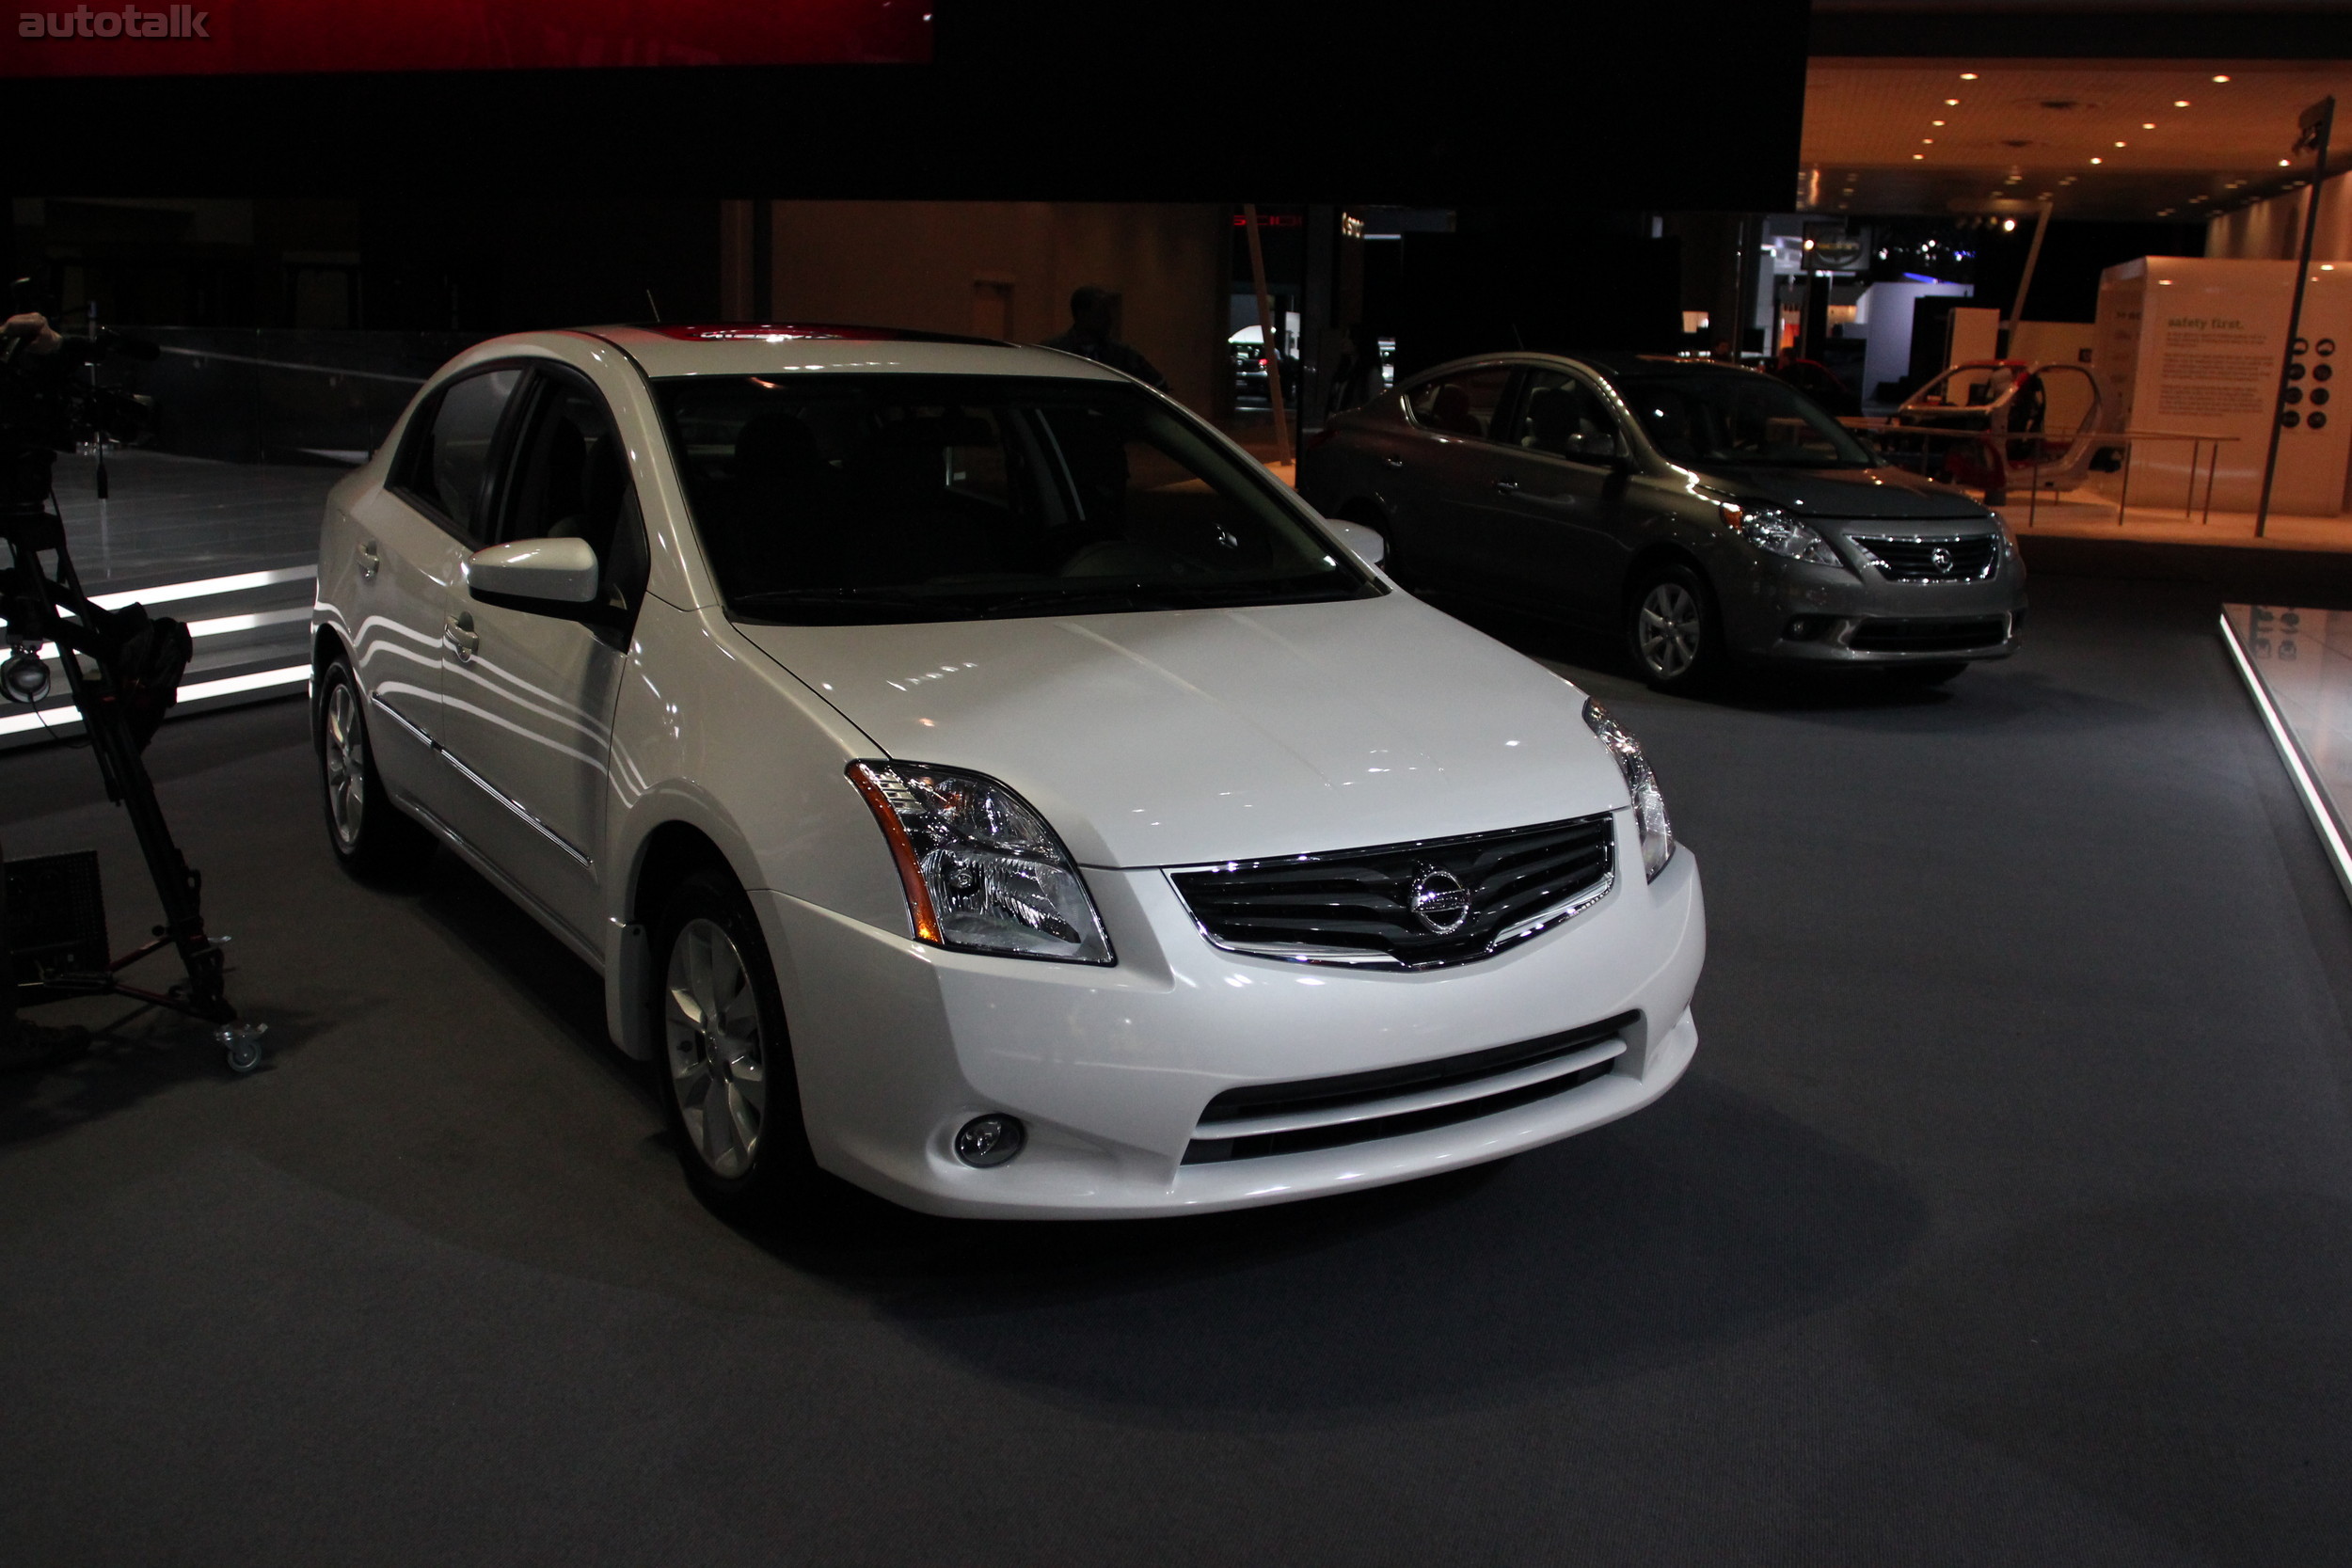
[(1930, 141), (1952, 102), (1916, 156), (1970, 76), (2282, 162), (2221, 78), (2094, 160), (2180, 102), (1935, 123), (2119, 144), (2147, 124), (2009, 225)]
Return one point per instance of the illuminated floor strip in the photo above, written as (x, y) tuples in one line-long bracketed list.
[(259, 618), (217, 624), (65, 719), (2314, 799), (166, 593)]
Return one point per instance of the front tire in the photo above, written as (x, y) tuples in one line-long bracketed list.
[(1673, 629), (729, 1092), (372, 838)]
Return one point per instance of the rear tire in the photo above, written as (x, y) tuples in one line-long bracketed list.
[(1673, 629), (373, 839), (1921, 676), (728, 1090)]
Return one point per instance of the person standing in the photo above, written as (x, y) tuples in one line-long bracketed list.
[(1093, 332)]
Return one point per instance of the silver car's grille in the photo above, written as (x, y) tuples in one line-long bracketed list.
[(1962, 558), (1407, 905)]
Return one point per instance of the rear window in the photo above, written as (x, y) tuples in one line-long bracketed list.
[(832, 498)]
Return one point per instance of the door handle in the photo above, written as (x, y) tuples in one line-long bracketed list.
[(1394, 461), (462, 638), (370, 558), (1508, 486)]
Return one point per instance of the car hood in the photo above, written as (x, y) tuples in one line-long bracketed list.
[(1873, 493), (1183, 737)]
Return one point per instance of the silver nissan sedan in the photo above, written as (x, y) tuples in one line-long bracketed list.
[(1709, 514)]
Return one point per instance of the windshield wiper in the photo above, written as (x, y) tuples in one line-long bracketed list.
[(925, 606), (1106, 601)]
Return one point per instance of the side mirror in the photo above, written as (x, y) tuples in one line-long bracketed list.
[(546, 574), (1367, 544)]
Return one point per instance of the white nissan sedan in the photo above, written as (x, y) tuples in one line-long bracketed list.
[(976, 777)]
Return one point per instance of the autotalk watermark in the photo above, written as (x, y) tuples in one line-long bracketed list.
[(172, 21)]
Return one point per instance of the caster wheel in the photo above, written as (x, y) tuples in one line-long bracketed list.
[(241, 1045)]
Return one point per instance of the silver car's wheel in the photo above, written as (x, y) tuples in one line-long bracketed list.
[(372, 838), (1671, 626), (718, 1061), (343, 749)]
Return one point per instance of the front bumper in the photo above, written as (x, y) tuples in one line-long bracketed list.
[(1792, 611), (898, 1044)]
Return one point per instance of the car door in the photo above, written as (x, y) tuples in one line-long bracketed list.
[(1439, 470), (528, 694), (1546, 524), (412, 538)]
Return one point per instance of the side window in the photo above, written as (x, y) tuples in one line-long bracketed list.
[(570, 479), (1460, 405), (448, 457), (1565, 416)]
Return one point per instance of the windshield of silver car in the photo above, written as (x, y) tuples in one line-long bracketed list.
[(838, 498), (1738, 418)]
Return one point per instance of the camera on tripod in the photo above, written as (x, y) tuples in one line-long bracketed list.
[(123, 665)]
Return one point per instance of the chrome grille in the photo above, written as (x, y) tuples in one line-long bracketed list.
[(1406, 905), (1959, 558)]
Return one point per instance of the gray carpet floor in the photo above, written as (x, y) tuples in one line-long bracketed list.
[(2005, 1218)]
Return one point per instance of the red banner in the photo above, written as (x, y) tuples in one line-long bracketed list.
[(222, 37)]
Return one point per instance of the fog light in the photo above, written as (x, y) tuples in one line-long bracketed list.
[(1804, 629), (990, 1140)]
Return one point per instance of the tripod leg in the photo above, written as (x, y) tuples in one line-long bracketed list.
[(177, 885)]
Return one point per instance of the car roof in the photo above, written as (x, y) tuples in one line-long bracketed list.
[(1614, 363), (765, 348)]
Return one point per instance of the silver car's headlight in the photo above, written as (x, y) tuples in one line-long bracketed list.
[(1649, 807), (1777, 534), (983, 873)]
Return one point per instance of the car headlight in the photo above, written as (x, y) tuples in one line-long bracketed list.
[(1777, 534), (1650, 822), (983, 873)]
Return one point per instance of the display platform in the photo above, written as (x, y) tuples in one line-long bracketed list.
[(2298, 665)]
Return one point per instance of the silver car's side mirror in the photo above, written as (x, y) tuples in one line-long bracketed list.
[(551, 571), (1365, 543)]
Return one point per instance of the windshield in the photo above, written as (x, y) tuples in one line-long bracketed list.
[(1740, 419), (832, 498)]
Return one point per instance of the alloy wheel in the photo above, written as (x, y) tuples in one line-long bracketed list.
[(1670, 627), (345, 756), (718, 1065)]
